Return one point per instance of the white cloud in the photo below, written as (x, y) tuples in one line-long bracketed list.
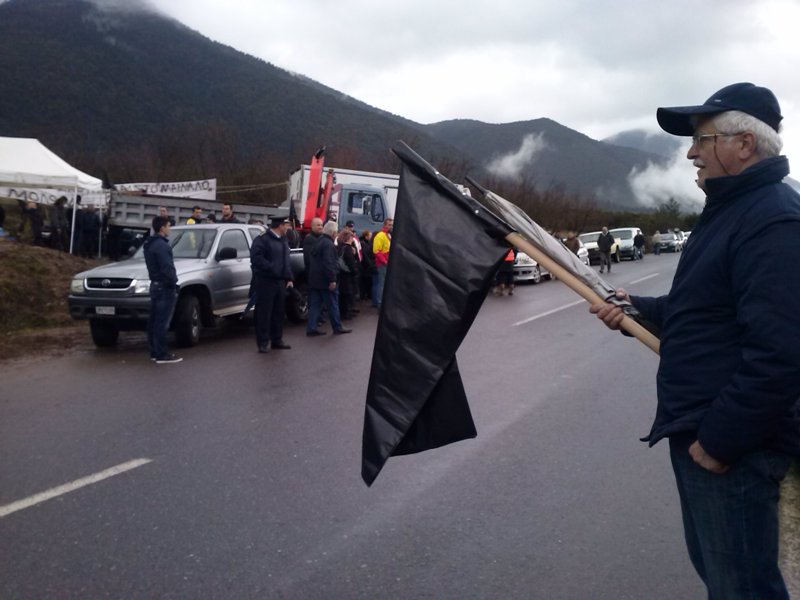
[(655, 185), (512, 165), (596, 67)]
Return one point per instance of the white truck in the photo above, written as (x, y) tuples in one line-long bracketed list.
[(342, 195)]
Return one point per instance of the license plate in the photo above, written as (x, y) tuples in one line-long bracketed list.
[(104, 310)]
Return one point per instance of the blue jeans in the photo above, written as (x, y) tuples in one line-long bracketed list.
[(315, 300), (162, 305), (373, 293), (730, 522), (377, 297)]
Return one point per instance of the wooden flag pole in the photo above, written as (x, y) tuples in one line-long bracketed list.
[(588, 294)]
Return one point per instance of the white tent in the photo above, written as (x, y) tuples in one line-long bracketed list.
[(27, 163), (28, 167)]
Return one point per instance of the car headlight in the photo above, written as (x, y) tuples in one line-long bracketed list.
[(76, 286), (141, 286), (525, 260)]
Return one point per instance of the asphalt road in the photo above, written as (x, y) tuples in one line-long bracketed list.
[(253, 489)]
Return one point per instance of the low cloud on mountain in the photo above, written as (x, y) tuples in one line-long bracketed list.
[(656, 184), (513, 164)]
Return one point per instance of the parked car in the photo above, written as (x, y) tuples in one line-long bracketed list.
[(213, 267), (624, 237), (590, 241), (670, 242), (527, 269)]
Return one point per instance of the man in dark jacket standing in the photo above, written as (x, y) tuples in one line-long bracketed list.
[(163, 290), (638, 246), (322, 283), (728, 382), (272, 275), (604, 244)]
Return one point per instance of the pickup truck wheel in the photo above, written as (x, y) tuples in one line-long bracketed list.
[(187, 321), (104, 333), (297, 306)]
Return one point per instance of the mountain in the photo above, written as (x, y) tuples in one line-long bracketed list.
[(660, 142), (120, 90), (552, 155), (105, 85)]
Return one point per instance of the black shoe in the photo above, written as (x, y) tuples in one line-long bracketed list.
[(314, 333), (263, 348), (281, 345), (342, 331), (168, 358)]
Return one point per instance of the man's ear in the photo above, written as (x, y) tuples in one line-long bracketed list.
[(748, 145)]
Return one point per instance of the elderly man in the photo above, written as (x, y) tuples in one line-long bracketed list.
[(322, 276), (729, 380)]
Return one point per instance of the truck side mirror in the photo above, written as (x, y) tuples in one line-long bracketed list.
[(226, 253)]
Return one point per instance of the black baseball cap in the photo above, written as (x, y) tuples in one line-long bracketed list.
[(758, 102), (350, 224)]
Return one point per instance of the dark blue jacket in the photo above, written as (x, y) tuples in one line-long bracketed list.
[(324, 264), (158, 258), (269, 257), (730, 325)]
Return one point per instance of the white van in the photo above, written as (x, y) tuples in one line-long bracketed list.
[(624, 237)]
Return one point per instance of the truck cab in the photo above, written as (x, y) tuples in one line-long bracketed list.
[(363, 204)]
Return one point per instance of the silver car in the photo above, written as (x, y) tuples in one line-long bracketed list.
[(527, 269), (213, 267)]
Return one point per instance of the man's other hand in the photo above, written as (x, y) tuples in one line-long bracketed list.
[(708, 462)]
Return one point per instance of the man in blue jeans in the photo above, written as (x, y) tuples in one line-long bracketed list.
[(729, 378), (163, 290)]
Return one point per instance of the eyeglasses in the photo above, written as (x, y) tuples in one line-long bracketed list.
[(698, 138)]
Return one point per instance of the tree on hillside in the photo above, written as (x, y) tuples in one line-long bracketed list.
[(667, 215)]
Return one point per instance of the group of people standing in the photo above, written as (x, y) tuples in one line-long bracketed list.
[(343, 268), (87, 226)]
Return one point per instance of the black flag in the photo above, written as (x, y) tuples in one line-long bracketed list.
[(446, 248)]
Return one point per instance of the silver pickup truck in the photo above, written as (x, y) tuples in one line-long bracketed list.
[(213, 266)]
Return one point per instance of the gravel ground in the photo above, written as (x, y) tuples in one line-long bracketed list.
[(790, 531)]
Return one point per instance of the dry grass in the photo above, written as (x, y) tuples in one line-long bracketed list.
[(34, 284)]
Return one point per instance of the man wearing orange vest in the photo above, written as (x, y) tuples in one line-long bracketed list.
[(380, 248), (505, 274)]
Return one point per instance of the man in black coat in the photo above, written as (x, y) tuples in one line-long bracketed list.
[(604, 244), (272, 274), (638, 246), (322, 276), (310, 241)]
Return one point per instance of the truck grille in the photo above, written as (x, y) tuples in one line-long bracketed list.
[(108, 283)]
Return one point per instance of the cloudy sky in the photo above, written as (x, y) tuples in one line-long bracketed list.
[(599, 67)]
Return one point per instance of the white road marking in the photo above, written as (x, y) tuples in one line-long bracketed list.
[(549, 312), (70, 487), (644, 278)]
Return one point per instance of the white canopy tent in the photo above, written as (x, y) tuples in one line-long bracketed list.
[(26, 163)]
